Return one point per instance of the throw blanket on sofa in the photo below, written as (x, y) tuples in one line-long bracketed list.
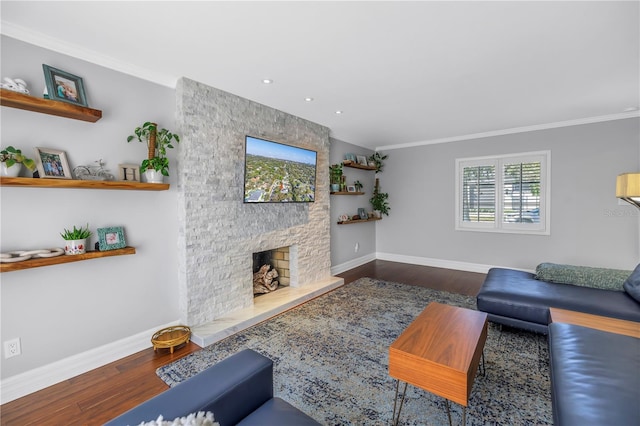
[(604, 278)]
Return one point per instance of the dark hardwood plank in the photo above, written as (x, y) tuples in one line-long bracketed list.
[(101, 394)]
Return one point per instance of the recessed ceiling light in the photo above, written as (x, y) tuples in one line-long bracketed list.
[(338, 112), (308, 99), (267, 81)]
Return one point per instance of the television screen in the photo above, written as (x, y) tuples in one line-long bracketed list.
[(278, 173)]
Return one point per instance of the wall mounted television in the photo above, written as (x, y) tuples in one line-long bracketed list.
[(278, 173)]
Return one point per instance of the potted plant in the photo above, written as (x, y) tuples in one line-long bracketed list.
[(379, 202), (11, 161), (335, 176), (377, 159), (358, 185), (76, 240), (158, 141)]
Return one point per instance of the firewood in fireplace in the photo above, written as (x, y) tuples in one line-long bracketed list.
[(264, 280)]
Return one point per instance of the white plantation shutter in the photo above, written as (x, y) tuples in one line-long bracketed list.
[(521, 192), (506, 193), (479, 194)]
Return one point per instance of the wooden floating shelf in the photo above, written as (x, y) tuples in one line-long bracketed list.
[(82, 184), (346, 193), (48, 261), (359, 166), (349, 222), (18, 100)]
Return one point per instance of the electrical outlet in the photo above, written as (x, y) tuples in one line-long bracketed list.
[(12, 348), (357, 247)]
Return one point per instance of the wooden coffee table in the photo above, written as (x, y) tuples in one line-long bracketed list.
[(440, 352)]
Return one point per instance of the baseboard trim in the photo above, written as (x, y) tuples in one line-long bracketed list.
[(17, 386), (343, 267), (442, 263)]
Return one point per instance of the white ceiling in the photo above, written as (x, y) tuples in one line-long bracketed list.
[(404, 73)]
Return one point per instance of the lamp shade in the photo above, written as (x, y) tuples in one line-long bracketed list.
[(628, 188)]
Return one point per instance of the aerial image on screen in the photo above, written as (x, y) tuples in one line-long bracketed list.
[(278, 173)]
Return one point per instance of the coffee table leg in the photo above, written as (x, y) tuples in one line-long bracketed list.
[(395, 419), (464, 413)]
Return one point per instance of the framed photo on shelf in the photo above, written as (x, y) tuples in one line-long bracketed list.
[(362, 213), (111, 238), (362, 160), (65, 87), (52, 163), (351, 188), (350, 157)]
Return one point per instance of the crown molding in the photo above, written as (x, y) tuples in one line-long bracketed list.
[(577, 122), (42, 40)]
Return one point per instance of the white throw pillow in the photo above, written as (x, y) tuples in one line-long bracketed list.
[(194, 419)]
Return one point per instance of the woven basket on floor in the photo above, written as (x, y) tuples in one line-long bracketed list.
[(171, 337)]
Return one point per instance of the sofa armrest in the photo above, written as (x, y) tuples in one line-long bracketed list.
[(231, 389)]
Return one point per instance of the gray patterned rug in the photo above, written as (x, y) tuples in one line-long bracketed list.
[(331, 361)]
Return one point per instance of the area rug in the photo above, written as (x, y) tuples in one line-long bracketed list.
[(331, 361)]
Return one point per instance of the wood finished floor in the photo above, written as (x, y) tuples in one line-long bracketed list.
[(101, 394)]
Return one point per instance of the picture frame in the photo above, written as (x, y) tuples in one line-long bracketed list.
[(350, 157), (129, 172), (111, 238), (362, 213), (362, 160), (52, 163), (63, 86), (351, 188)]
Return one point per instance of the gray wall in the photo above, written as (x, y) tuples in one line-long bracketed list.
[(64, 310), (345, 237), (588, 226)]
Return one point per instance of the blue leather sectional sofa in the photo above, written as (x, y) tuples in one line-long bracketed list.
[(595, 375), (518, 299), (238, 390)]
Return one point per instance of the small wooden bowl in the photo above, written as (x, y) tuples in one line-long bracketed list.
[(171, 337)]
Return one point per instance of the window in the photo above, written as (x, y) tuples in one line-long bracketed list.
[(508, 193)]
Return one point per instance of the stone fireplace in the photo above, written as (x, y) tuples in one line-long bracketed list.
[(218, 233)]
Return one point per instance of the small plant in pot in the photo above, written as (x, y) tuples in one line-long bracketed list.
[(11, 161), (76, 240), (158, 141), (380, 204), (379, 201), (378, 160), (335, 176)]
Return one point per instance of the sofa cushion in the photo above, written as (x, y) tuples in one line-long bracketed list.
[(595, 376), (632, 284), (604, 278)]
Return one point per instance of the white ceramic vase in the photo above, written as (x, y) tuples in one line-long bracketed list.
[(13, 171), (153, 176), (75, 246)]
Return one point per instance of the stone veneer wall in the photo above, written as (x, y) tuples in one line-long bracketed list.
[(218, 232)]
